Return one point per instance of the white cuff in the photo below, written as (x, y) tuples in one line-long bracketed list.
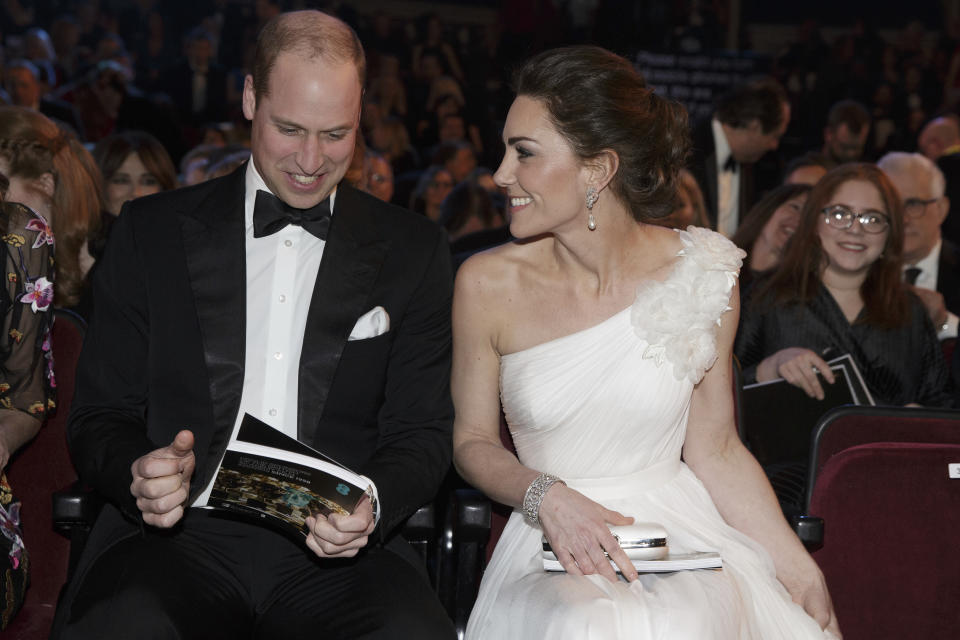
[(949, 328)]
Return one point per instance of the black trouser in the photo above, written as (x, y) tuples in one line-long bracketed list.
[(218, 578)]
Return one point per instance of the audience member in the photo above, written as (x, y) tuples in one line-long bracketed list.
[(466, 209), (226, 161), (27, 387), (457, 157), (54, 175), (748, 122), (940, 141), (845, 136), (197, 85), (379, 176), (434, 185), (391, 138), (931, 263), (690, 207), (837, 291), (806, 169), (767, 229), (24, 88), (133, 164), (940, 136)]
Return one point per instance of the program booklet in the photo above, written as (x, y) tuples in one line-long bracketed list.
[(672, 562), (279, 481), (779, 417)]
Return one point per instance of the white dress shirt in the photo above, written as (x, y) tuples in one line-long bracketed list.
[(281, 272), (728, 184), (927, 279)]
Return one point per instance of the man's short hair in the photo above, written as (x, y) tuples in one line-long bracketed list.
[(311, 33), (902, 162), (851, 113), (759, 99)]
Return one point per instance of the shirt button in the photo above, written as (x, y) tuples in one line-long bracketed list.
[(288, 243), (277, 355), (272, 412), (282, 298)]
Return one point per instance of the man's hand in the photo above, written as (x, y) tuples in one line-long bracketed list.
[(161, 481), (933, 301), (339, 536)]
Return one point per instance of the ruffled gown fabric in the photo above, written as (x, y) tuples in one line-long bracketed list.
[(606, 410)]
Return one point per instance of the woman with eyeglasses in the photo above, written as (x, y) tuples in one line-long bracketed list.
[(837, 291)]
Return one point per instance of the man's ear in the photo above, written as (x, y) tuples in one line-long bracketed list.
[(602, 167), (249, 98), (943, 208), (755, 126)]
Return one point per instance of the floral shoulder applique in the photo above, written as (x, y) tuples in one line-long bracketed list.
[(679, 317)]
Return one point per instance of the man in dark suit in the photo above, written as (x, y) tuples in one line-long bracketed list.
[(23, 86), (747, 123), (931, 262), (197, 85), (243, 295)]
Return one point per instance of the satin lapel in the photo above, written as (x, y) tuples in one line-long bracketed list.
[(214, 244), (352, 258), (713, 188), (948, 283)]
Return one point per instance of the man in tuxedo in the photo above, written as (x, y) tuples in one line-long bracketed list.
[(747, 123), (197, 85), (931, 262), (245, 295)]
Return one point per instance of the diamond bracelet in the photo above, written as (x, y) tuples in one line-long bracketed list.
[(534, 496)]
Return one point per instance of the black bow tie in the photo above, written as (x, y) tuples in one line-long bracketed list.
[(270, 214), (730, 164), (910, 274)]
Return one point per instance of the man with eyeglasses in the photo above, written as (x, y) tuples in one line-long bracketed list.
[(931, 263)]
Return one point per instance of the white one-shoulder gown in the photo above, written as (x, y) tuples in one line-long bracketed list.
[(606, 410)]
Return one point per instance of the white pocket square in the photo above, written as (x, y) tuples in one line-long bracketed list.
[(373, 323)]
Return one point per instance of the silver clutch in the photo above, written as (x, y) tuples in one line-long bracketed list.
[(640, 541)]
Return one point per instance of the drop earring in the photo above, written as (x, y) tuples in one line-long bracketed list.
[(592, 197)]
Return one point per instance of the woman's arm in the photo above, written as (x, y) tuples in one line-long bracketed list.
[(738, 486), (26, 391), (16, 429), (575, 525)]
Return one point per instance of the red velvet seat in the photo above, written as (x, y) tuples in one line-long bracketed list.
[(41, 468), (848, 426), (890, 552)]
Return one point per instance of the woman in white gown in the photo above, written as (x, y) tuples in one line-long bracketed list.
[(608, 341)]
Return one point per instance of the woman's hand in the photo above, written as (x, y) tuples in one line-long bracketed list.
[(811, 594), (576, 527), (799, 367)]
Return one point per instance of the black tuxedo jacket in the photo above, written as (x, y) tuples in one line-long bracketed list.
[(703, 165), (177, 82), (165, 348), (948, 276)]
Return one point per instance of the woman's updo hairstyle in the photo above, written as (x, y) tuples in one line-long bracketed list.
[(598, 102)]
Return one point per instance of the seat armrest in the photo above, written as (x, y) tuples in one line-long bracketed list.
[(809, 529), (75, 507)]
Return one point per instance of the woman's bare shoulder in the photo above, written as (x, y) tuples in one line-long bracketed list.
[(500, 270)]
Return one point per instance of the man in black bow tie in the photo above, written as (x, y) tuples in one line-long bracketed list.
[(747, 123), (281, 292)]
